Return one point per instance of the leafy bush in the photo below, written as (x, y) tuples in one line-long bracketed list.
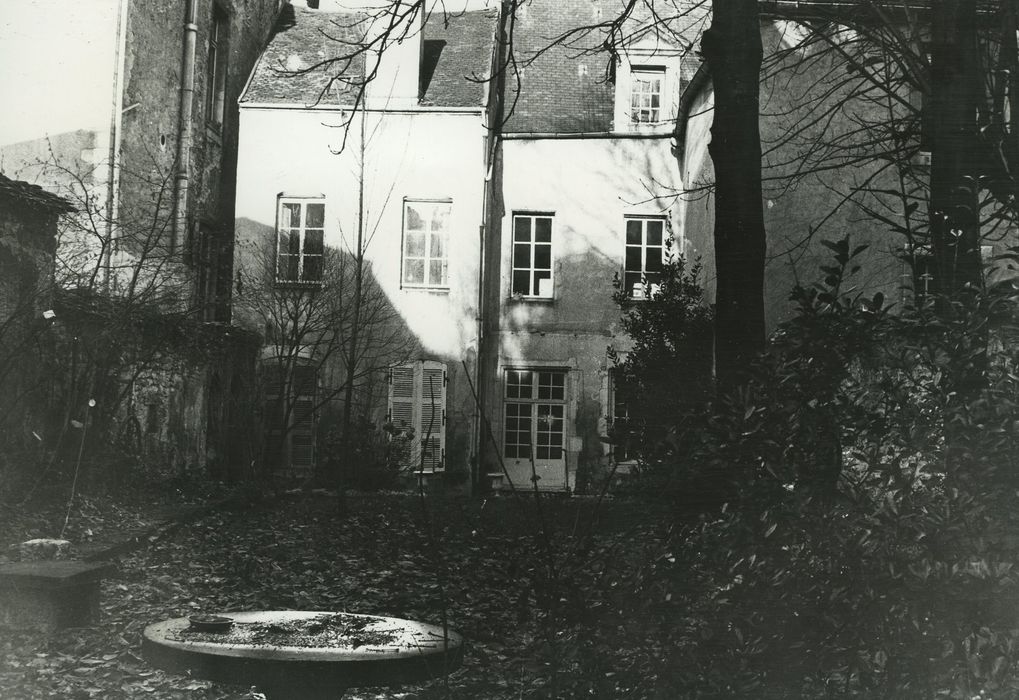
[(667, 370), (370, 460), (865, 548)]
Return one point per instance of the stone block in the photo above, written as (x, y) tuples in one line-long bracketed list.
[(49, 595)]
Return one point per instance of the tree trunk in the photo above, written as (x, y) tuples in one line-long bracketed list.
[(954, 204), (956, 93), (732, 48)]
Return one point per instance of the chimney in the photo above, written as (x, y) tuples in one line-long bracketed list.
[(397, 79)]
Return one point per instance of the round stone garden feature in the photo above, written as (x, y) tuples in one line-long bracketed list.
[(302, 654)]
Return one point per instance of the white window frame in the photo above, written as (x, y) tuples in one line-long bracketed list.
[(414, 387), (645, 287), (302, 230), (643, 57), (431, 235), (538, 288), (641, 75), (536, 402)]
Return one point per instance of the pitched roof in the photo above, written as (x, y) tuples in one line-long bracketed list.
[(457, 47), (32, 195), (567, 86)]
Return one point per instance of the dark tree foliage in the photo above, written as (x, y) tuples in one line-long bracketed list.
[(668, 369)]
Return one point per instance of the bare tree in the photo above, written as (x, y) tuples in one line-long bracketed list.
[(126, 322), (326, 335)]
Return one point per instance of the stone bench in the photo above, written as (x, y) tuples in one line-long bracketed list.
[(49, 595)]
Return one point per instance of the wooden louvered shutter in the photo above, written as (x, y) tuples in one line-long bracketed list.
[(302, 432), (417, 406), (401, 397), (433, 415)]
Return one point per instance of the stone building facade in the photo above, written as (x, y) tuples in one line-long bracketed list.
[(130, 114)]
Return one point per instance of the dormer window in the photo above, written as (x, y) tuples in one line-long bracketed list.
[(646, 84), (647, 89)]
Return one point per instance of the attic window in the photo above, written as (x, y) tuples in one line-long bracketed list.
[(646, 84)]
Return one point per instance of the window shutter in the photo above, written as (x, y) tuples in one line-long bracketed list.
[(433, 415), (302, 435), (401, 397), (295, 446), (417, 400)]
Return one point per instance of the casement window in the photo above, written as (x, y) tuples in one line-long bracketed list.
[(300, 240), (619, 420), (646, 85), (426, 244), (215, 70), (417, 413), (644, 256), (532, 256), (290, 416), (535, 414)]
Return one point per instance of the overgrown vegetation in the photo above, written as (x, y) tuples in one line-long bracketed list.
[(857, 538), (857, 541)]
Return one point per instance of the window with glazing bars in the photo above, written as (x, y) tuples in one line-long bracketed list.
[(532, 255), (646, 94), (621, 429), (425, 244), (645, 253), (535, 414), (300, 240)]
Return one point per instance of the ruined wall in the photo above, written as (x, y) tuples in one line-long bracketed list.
[(27, 242)]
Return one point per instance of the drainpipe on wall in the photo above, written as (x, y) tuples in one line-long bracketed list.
[(490, 212), (187, 96), (113, 158)]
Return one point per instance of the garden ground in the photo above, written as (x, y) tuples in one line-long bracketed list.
[(507, 572)]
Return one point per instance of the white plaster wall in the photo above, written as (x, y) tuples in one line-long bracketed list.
[(409, 155), (590, 185)]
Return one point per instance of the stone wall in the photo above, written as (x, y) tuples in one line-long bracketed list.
[(28, 230)]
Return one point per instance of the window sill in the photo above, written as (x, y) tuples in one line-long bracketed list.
[(635, 301), (626, 467), (432, 290), (649, 129), (530, 300)]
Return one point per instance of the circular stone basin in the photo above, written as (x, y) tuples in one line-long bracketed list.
[(301, 654)]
